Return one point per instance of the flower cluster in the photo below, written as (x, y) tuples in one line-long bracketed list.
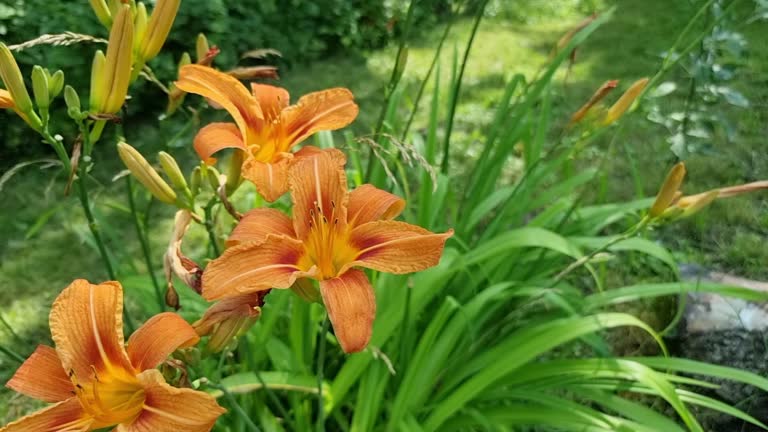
[(321, 249)]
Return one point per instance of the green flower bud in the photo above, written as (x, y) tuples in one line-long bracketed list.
[(55, 83), (40, 88), (73, 102)]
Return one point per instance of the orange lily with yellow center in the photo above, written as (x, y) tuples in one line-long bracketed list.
[(96, 382), (333, 231), (266, 128)]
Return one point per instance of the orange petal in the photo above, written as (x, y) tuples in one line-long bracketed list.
[(272, 100), (337, 155), (224, 90), (258, 223), (324, 110), (318, 185), (351, 306), (253, 267), (168, 408), (42, 377), (396, 247), (369, 203), (64, 416), (6, 101), (271, 179), (153, 342), (215, 137), (87, 326)]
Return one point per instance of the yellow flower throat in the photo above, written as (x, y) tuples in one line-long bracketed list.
[(327, 245), (110, 398)]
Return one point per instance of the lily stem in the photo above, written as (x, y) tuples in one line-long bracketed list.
[(82, 190), (209, 226), (142, 234), (236, 406), (320, 367), (586, 258)]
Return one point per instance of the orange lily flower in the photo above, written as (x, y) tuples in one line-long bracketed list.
[(333, 231), (96, 382), (266, 127)]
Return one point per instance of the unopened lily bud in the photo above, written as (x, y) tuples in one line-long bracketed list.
[(117, 67), (140, 27), (98, 87), (14, 82), (102, 12), (306, 289), (176, 95), (213, 177), (40, 88), (566, 39), (668, 191), (604, 89), (693, 204), (233, 172), (73, 102), (172, 170), (625, 101), (145, 174), (201, 47), (55, 83), (158, 28), (194, 181)]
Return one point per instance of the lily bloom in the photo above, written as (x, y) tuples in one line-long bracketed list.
[(332, 233), (96, 382), (266, 128)]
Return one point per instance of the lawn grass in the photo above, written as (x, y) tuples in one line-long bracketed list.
[(41, 254)]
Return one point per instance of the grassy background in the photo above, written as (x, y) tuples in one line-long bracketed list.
[(44, 242)]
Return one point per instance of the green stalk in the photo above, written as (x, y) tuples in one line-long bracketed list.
[(238, 409), (586, 258), (140, 232), (11, 330), (320, 366), (457, 87), (13, 355), (394, 79), (431, 69), (273, 397), (209, 226)]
